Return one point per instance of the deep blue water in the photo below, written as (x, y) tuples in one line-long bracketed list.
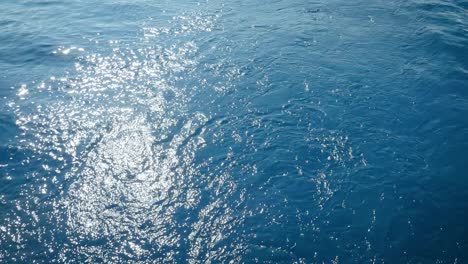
[(282, 131)]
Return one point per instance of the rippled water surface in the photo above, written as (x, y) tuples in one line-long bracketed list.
[(233, 131)]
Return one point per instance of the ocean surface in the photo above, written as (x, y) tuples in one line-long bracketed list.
[(285, 131)]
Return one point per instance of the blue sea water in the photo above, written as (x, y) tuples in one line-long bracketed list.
[(284, 131)]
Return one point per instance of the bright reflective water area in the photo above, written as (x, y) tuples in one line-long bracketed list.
[(233, 131)]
